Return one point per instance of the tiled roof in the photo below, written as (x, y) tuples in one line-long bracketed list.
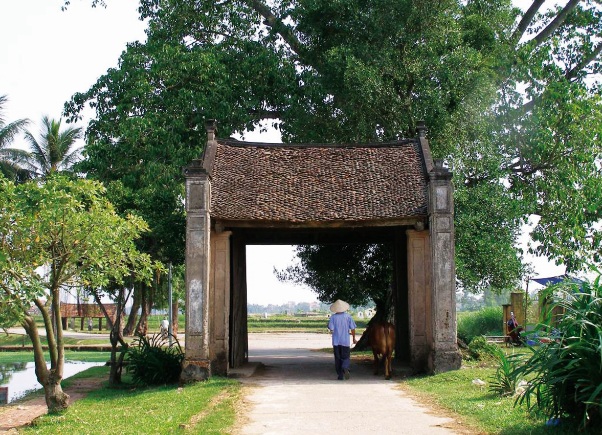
[(87, 310), (317, 183)]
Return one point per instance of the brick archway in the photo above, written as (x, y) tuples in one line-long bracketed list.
[(243, 192)]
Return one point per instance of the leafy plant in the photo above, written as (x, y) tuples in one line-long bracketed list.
[(567, 374), (153, 361), (479, 349), (505, 381)]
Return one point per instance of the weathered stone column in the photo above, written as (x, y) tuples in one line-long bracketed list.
[(219, 302), (444, 355), (419, 298), (196, 365)]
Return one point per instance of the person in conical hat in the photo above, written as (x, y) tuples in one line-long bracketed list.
[(341, 324), (339, 306)]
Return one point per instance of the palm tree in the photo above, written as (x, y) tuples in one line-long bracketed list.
[(53, 152), (11, 159)]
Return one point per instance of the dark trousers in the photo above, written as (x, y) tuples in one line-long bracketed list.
[(342, 359)]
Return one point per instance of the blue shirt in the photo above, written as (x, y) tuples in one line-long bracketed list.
[(340, 324)]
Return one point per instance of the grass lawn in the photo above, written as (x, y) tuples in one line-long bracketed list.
[(23, 340), (27, 356), (200, 408)]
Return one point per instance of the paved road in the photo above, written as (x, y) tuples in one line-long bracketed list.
[(296, 392)]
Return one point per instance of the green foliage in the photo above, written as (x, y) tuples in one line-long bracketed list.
[(480, 349), (54, 150), (366, 71), (355, 273), (565, 376), (11, 159), (53, 234), (487, 321), (504, 382), (151, 361)]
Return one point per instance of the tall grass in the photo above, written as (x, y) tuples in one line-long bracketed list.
[(487, 321)]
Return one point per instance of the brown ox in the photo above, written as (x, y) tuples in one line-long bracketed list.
[(381, 338)]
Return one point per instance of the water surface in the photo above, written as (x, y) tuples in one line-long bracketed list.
[(21, 377)]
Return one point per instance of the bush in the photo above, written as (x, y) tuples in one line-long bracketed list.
[(479, 349), (565, 376), (151, 361), (487, 321)]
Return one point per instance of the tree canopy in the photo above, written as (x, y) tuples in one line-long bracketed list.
[(511, 98)]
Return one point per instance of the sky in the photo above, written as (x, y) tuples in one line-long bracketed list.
[(47, 55)]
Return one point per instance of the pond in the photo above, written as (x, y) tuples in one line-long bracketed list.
[(20, 378)]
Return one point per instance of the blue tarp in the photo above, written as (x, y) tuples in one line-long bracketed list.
[(556, 279)]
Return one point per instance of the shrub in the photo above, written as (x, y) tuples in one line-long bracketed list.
[(565, 376), (479, 349), (151, 361), (487, 321)]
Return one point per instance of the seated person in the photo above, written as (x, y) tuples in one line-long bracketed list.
[(514, 330)]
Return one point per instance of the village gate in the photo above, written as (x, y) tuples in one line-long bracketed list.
[(242, 193)]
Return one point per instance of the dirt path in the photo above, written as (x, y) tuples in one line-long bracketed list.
[(23, 413)]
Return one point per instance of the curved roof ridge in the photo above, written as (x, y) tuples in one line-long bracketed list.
[(240, 143)]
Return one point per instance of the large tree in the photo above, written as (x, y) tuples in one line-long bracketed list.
[(55, 235), (510, 98)]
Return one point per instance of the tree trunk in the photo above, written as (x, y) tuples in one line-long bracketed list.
[(145, 303), (174, 317), (116, 370), (56, 399), (131, 323)]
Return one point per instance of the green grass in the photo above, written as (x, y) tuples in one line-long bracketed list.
[(23, 340), (203, 408), (477, 406), (27, 356)]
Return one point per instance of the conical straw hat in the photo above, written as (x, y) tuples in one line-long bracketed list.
[(339, 306)]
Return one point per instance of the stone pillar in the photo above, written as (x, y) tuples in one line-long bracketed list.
[(444, 355), (517, 301), (196, 364), (506, 309), (419, 298), (219, 302)]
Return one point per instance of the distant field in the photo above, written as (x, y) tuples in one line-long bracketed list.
[(283, 323), (255, 322)]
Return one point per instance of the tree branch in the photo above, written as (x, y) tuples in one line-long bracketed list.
[(278, 26), (556, 22), (572, 73), (525, 22)]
